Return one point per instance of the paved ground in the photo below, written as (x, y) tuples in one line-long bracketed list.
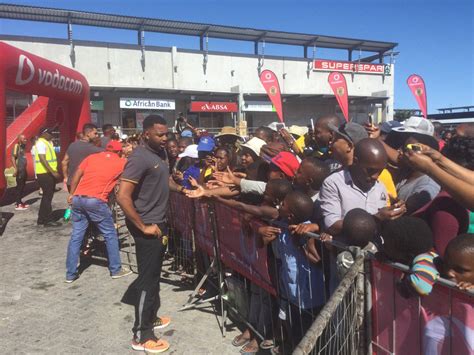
[(41, 314)]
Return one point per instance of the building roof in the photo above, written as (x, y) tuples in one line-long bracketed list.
[(42, 14)]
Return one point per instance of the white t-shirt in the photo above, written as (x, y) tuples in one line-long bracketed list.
[(41, 147)]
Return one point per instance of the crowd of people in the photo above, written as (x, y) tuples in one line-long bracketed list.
[(403, 191)]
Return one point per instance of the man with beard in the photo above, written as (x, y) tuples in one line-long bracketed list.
[(143, 196)]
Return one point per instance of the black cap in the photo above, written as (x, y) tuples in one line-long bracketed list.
[(350, 131)]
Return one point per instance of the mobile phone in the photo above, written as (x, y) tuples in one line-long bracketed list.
[(415, 147), (312, 125), (371, 120)]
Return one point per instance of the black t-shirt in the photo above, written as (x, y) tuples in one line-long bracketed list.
[(77, 152), (149, 171)]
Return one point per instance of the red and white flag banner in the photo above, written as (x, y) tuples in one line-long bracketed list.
[(272, 87), (338, 84), (418, 89)]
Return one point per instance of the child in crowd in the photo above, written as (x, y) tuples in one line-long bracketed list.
[(275, 192), (260, 301), (409, 240), (458, 262), (301, 282), (359, 229)]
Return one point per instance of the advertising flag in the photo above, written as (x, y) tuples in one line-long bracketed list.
[(272, 87), (417, 87), (338, 84)]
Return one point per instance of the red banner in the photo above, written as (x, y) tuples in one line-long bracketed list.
[(417, 87), (441, 323), (338, 84), (241, 248), (210, 106), (182, 212), (272, 87), (203, 228)]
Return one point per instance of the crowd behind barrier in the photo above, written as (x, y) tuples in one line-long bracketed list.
[(368, 312)]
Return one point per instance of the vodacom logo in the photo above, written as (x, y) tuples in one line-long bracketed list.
[(22, 60), (45, 78)]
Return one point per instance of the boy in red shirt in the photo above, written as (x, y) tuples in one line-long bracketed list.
[(90, 187)]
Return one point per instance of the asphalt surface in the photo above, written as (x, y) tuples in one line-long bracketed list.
[(41, 314)]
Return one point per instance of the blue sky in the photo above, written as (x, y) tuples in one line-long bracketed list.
[(436, 37)]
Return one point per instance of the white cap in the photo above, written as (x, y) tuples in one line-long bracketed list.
[(273, 125), (416, 124), (254, 144), (191, 151)]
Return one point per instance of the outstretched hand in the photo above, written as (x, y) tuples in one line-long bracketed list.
[(226, 177), (304, 228)]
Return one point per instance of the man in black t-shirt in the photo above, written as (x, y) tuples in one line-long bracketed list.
[(78, 151), (143, 196)]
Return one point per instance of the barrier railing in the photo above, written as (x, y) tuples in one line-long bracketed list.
[(365, 314), (339, 327)]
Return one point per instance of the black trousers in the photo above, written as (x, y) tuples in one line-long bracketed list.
[(47, 183), (144, 292), (20, 187), (260, 313)]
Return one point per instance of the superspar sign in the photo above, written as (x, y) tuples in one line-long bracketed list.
[(209, 106), (351, 67)]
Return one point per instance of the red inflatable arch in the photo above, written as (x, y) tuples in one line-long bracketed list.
[(63, 99)]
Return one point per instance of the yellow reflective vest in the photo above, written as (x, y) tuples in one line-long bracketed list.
[(50, 158)]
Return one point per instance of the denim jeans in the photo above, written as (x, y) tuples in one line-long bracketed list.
[(86, 210)]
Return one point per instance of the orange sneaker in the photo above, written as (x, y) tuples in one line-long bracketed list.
[(153, 346), (161, 322)]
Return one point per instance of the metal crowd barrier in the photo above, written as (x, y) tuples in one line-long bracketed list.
[(366, 313)]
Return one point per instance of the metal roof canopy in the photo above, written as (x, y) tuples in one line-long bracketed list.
[(42, 14)]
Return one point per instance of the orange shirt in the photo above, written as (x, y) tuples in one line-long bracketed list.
[(101, 172)]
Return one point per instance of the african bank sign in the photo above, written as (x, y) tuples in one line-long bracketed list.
[(147, 104), (351, 67)]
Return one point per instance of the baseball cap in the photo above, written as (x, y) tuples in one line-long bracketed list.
[(206, 144), (254, 144), (191, 151), (350, 131), (387, 126), (287, 163), (416, 124), (187, 133), (114, 146)]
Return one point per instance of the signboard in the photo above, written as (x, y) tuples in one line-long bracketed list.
[(97, 105), (258, 106), (211, 106), (351, 67), (147, 104)]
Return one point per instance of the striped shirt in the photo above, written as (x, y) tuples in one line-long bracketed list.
[(423, 273)]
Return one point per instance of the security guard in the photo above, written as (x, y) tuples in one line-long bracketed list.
[(46, 165)]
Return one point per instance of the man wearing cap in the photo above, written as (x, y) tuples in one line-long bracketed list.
[(91, 185), (346, 136), (46, 168)]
